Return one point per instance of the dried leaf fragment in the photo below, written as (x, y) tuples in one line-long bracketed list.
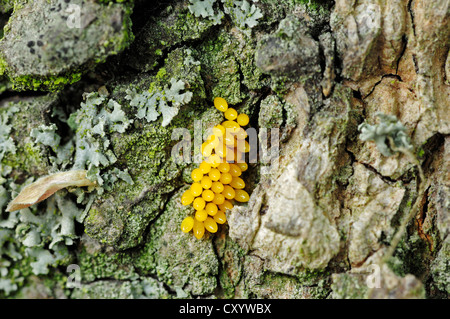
[(47, 186)]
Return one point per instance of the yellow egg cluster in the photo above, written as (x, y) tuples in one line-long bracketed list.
[(217, 182)]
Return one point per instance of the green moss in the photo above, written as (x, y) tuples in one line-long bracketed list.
[(410, 257), (4, 84), (175, 26), (105, 265), (120, 216), (161, 75), (420, 153), (221, 69), (19, 270), (231, 257), (28, 157), (118, 44), (52, 83), (176, 258), (348, 286), (310, 277), (117, 1), (143, 149), (316, 5), (277, 285), (104, 224), (3, 65), (6, 5)]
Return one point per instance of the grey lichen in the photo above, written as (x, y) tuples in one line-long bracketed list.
[(38, 236), (389, 127), (204, 8), (93, 124), (145, 288), (6, 142), (165, 102), (242, 13), (46, 134)]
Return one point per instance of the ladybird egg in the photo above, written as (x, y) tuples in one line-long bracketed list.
[(196, 189), (201, 215), (199, 203), (216, 180), (218, 130), (243, 119), (226, 205), (226, 178), (237, 183), (208, 195), (224, 167), (214, 160), (187, 198), (210, 225), (228, 192), (229, 139), (217, 187), (218, 199), (187, 224), (221, 150), (211, 209), (205, 168), (243, 146), (196, 175), (214, 174), (231, 127), (207, 149), (241, 196), (230, 114), (220, 104), (243, 166), (235, 170), (214, 141), (241, 134), (199, 229), (206, 182), (220, 217)]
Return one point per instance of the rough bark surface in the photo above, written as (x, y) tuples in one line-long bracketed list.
[(76, 91)]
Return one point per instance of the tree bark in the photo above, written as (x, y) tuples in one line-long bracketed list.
[(106, 86)]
